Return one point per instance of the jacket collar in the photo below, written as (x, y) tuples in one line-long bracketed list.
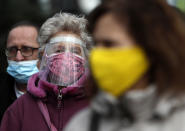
[(40, 88), (140, 104)]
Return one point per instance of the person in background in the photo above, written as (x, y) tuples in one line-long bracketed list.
[(56, 93), (137, 68), (22, 56)]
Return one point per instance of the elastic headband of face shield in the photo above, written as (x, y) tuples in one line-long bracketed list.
[(63, 62), (67, 39)]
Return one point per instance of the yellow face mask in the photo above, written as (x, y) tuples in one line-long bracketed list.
[(116, 70)]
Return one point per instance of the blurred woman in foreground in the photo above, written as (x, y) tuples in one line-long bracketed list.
[(137, 67)]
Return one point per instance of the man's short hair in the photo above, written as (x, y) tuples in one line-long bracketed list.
[(24, 23)]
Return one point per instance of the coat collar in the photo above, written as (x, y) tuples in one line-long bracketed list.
[(139, 104), (40, 88)]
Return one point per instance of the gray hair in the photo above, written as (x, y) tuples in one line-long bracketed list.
[(65, 22)]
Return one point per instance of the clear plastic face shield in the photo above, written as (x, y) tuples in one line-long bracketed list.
[(64, 61)]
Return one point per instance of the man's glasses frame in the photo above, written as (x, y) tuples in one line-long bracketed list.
[(25, 51)]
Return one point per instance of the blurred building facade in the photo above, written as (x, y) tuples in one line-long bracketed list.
[(178, 3)]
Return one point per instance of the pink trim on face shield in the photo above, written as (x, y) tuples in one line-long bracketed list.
[(65, 68)]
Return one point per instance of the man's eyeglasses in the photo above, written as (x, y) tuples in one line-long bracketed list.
[(25, 51)]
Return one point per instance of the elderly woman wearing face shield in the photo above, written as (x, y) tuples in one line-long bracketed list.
[(56, 92)]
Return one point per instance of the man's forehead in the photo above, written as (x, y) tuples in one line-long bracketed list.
[(23, 31), (22, 35)]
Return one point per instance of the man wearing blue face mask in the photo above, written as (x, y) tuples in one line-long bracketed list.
[(22, 57)]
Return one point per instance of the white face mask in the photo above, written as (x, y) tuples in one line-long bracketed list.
[(22, 70)]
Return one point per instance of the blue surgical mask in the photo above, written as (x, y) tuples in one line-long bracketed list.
[(22, 70)]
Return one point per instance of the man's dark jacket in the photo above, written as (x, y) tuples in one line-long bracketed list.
[(7, 92)]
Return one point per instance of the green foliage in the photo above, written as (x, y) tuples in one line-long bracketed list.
[(181, 4)]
